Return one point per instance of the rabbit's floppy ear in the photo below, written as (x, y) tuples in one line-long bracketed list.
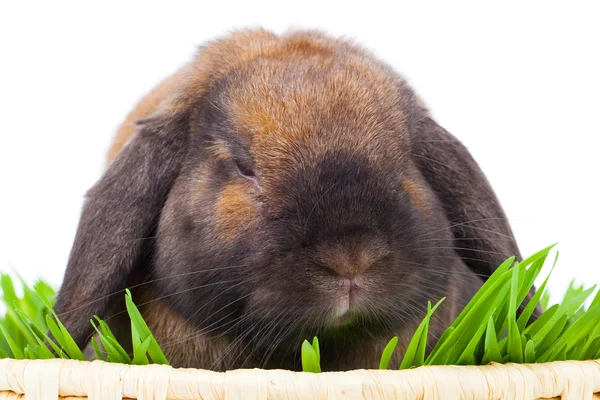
[(119, 214), (482, 235)]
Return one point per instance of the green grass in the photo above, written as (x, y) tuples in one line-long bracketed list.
[(489, 329), (28, 319)]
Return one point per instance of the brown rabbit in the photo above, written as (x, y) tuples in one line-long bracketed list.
[(277, 188)]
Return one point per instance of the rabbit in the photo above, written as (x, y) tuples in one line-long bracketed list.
[(275, 188)]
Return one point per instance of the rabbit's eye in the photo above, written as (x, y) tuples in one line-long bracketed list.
[(247, 172), (243, 170)]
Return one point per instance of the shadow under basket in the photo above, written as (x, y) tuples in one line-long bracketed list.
[(49, 379)]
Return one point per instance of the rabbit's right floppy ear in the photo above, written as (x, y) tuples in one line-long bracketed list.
[(119, 212), (122, 209)]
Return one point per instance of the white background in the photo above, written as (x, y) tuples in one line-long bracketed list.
[(518, 83)]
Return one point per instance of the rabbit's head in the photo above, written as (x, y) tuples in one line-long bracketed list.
[(279, 187)]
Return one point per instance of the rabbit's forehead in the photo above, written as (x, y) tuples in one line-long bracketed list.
[(285, 108)]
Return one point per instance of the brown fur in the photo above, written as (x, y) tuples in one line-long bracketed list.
[(205, 350), (274, 116), (234, 208), (245, 185), (415, 192)]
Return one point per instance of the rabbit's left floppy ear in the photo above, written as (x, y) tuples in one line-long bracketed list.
[(119, 214), (483, 237), (482, 234)]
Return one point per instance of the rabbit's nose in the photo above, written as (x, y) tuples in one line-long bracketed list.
[(351, 256)]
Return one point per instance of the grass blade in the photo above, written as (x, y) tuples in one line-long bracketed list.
[(529, 354), (138, 323), (386, 356), (315, 345), (492, 350), (410, 355), (100, 356), (535, 299), (67, 343), (310, 360), (17, 351), (139, 352), (114, 351), (514, 335)]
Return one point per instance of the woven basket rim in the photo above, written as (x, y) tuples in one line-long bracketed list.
[(47, 379)]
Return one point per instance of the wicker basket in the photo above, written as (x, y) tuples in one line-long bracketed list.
[(50, 379)]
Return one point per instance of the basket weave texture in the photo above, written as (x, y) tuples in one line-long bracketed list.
[(49, 379)]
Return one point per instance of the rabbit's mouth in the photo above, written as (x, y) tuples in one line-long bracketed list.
[(345, 309)]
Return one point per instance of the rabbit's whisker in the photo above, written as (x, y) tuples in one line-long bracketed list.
[(86, 304)]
